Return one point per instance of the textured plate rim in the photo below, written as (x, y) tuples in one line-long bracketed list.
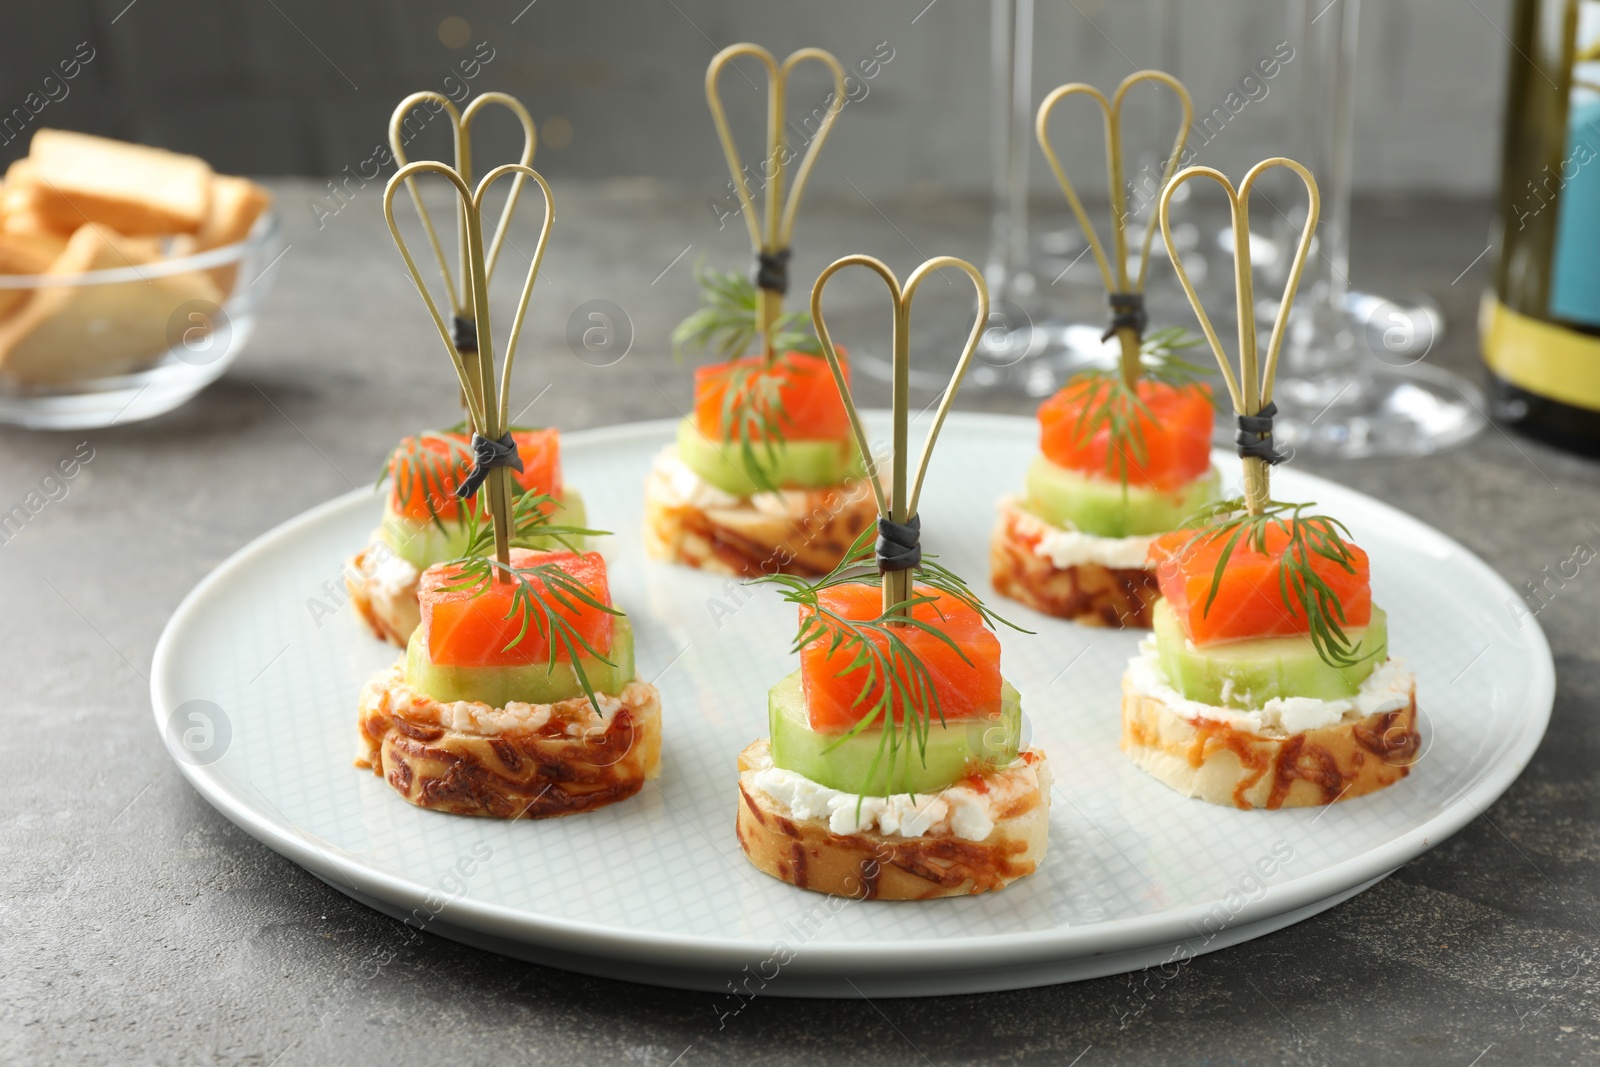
[(649, 946)]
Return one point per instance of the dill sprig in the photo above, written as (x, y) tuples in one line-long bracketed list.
[(725, 323), (530, 520), (536, 587), (477, 568), (438, 471), (1303, 590), (1115, 406), (878, 648), (752, 417)]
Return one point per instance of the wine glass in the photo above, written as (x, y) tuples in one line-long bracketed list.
[(1353, 379)]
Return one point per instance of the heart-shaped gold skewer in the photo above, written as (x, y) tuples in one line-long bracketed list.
[(456, 282), (900, 505), (1251, 388), (488, 399), (770, 232), (1114, 269)]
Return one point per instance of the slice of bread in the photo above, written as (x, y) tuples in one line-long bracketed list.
[(1088, 593), (868, 865), (66, 333), (801, 531), (21, 212), (446, 758), (26, 253), (29, 253), (136, 190), (235, 205), (1219, 764), (389, 607)]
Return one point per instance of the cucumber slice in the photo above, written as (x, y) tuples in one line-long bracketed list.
[(424, 544), (845, 763), (787, 465), (1247, 674), (1106, 508), (531, 684)]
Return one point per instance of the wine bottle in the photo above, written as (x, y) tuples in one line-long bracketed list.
[(1540, 325)]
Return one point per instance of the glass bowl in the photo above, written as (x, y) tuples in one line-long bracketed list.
[(168, 328)]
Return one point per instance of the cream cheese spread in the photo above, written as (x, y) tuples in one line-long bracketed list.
[(1067, 548), (1388, 688), (958, 811)]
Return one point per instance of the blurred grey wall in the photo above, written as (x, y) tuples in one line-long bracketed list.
[(306, 86)]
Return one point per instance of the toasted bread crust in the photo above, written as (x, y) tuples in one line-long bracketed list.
[(1087, 593), (808, 539), (875, 866), (66, 333), (1217, 763), (235, 205), (517, 774), (135, 189), (391, 612)]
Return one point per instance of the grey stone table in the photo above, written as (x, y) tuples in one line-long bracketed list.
[(139, 926)]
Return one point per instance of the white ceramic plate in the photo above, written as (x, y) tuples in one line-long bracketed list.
[(255, 682)]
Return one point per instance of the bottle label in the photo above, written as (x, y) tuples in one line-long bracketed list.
[(1575, 264)]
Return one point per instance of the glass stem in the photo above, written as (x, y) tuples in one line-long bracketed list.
[(1321, 347), (1011, 95)]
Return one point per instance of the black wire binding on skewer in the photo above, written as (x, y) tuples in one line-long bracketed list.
[(487, 454), (1127, 310), (1254, 439), (772, 270), (899, 544), (465, 335)]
